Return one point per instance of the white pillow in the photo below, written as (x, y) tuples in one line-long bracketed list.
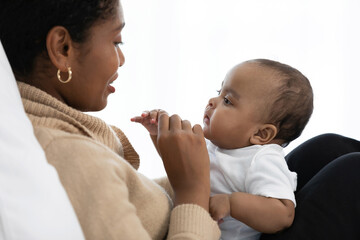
[(33, 203)]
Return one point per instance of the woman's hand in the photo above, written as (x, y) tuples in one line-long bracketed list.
[(149, 119), (186, 160), (220, 207)]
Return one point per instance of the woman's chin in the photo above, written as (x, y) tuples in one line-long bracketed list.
[(96, 108)]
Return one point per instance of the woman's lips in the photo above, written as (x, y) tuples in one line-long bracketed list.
[(110, 87)]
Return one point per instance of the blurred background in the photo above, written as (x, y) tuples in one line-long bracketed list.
[(178, 51)]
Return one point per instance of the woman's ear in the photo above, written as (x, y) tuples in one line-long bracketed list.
[(265, 134), (58, 44)]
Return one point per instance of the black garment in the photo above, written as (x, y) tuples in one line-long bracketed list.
[(328, 192)]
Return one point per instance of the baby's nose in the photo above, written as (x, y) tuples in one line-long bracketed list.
[(211, 102)]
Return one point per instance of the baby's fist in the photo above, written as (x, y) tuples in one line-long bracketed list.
[(219, 207)]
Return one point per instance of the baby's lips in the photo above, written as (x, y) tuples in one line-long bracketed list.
[(206, 119)]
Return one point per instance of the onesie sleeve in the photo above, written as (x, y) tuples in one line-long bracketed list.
[(269, 175)]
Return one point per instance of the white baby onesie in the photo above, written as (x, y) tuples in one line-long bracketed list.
[(259, 170)]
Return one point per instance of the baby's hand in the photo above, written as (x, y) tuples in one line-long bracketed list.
[(149, 119), (219, 207)]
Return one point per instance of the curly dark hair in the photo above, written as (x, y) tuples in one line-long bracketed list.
[(292, 106), (24, 25)]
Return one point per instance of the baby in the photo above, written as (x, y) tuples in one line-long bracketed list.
[(262, 106)]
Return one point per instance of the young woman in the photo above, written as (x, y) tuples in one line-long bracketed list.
[(65, 56)]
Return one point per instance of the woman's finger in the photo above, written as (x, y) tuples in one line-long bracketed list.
[(197, 129), (186, 125), (163, 122), (175, 123)]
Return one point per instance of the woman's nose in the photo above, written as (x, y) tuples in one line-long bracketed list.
[(121, 57)]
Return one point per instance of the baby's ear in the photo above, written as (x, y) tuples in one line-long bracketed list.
[(265, 134)]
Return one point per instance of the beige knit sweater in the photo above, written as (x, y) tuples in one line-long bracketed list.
[(97, 166)]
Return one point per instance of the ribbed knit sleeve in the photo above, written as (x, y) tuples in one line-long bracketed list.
[(190, 221)]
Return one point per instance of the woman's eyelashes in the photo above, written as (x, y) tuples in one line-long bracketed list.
[(117, 44)]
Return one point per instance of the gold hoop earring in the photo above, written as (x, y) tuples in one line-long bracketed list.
[(67, 80)]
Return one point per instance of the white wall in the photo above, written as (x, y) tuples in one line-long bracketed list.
[(178, 52)]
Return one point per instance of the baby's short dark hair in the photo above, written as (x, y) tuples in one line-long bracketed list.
[(292, 103)]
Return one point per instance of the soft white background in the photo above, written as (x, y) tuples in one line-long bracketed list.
[(178, 52)]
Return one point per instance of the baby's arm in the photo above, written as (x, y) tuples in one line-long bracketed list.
[(149, 119), (268, 215)]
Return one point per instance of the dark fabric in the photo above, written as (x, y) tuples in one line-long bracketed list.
[(328, 193)]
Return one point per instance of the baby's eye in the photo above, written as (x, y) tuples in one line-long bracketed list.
[(227, 101), (218, 91)]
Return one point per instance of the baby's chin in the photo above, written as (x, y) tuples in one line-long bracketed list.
[(206, 132), (208, 137)]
